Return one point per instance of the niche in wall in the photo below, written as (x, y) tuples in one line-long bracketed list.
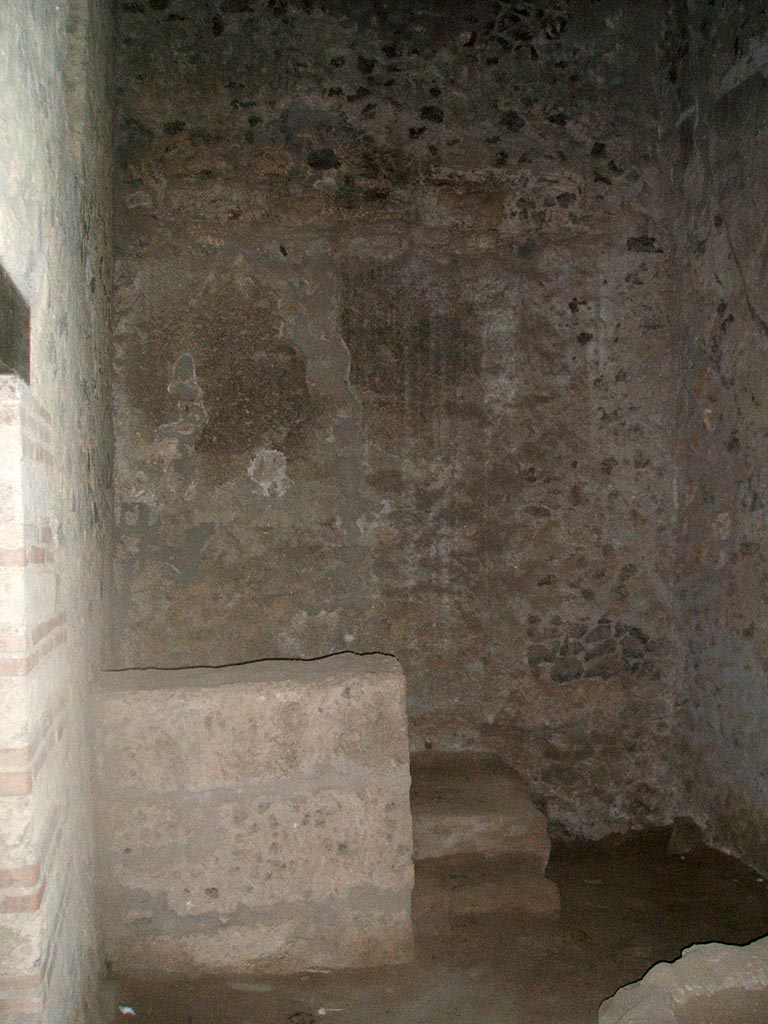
[(14, 329)]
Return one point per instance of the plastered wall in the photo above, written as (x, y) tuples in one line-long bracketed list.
[(718, 160), (394, 368), (55, 473)]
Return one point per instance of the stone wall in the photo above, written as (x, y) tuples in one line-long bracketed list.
[(394, 368), (55, 520), (718, 89)]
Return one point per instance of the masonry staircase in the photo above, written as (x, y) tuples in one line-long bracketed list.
[(480, 846)]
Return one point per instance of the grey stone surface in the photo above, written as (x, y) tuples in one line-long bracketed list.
[(211, 728), (256, 816), (709, 984)]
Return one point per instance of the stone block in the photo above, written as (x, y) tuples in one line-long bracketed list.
[(256, 816), (479, 885), (258, 721), (290, 939), (259, 849), (710, 982), (472, 803)]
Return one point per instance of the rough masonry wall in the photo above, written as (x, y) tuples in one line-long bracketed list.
[(55, 522), (394, 368), (718, 77)]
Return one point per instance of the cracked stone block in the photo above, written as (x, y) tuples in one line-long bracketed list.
[(709, 983), (256, 817)]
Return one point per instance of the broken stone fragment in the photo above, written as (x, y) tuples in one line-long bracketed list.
[(712, 982)]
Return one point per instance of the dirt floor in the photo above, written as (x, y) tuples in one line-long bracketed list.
[(626, 904)]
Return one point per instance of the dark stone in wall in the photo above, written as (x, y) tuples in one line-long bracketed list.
[(610, 650)]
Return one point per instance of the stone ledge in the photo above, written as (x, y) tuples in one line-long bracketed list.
[(261, 720), (469, 803), (285, 942)]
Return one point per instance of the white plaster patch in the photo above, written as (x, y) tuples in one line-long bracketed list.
[(268, 469)]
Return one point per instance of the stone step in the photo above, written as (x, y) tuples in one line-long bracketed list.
[(481, 885), (465, 804)]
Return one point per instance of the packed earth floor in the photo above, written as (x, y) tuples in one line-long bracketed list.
[(626, 904)]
